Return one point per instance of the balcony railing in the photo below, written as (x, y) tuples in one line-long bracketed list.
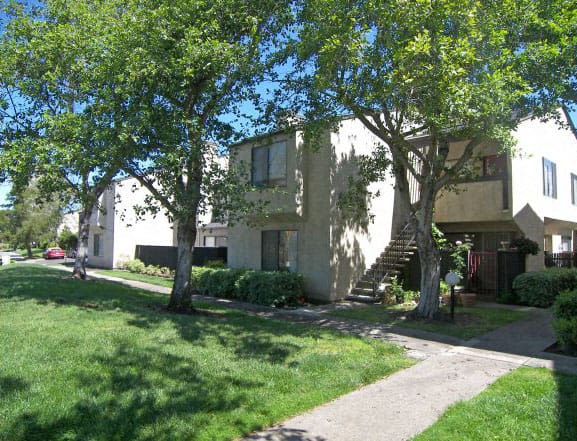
[(561, 260)]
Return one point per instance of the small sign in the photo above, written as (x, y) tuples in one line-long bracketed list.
[(452, 278)]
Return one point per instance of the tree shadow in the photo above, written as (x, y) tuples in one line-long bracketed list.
[(10, 385), (132, 392), (285, 434), (566, 406), (135, 389)]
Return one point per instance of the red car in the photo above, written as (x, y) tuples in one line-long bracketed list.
[(54, 253)]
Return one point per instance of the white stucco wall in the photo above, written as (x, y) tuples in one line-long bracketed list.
[(102, 222), (531, 208), (129, 230)]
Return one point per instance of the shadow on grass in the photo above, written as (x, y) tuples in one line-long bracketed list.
[(124, 404), (10, 385), (567, 406), (146, 392)]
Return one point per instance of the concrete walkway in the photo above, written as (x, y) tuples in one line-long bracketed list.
[(404, 404)]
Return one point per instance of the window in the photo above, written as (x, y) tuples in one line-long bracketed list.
[(574, 189), (495, 165), (97, 248), (279, 250), (549, 178), (269, 165)]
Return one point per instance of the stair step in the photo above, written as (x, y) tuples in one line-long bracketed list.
[(362, 291), (361, 299)]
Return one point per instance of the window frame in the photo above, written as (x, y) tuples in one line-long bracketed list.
[(267, 180), (574, 188), (97, 250), (277, 246), (549, 190)]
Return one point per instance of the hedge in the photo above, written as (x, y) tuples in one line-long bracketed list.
[(541, 288), (260, 287), (565, 322)]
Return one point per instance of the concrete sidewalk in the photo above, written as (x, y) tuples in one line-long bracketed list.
[(404, 404)]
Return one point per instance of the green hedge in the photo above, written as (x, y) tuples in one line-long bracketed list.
[(260, 287), (541, 288), (565, 322)]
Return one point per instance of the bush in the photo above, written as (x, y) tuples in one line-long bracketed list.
[(216, 264), (541, 288), (135, 266), (525, 245), (271, 288), (260, 287), (565, 323)]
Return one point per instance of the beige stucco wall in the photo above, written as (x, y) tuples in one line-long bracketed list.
[(472, 201), (333, 249), (355, 244), (303, 206)]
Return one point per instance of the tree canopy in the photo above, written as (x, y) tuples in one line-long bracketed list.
[(448, 70)]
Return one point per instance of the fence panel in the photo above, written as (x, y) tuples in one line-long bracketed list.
[(166, 256)]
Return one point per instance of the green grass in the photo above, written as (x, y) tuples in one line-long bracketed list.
[(153, 280), (96, 360), (36, 252), (469, 322), (527, 404)]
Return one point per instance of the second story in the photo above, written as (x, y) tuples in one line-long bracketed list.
[(304, 180), (541, 175)]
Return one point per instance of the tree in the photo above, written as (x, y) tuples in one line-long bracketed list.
[(446, 69), (181, 69), (33, 220), (53, 126)]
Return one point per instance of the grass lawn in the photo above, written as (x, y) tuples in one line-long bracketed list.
[(469, 322), (153, 280), (527, 404), (96, 360), (36, 252)]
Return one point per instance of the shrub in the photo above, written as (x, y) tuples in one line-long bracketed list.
[(135, 266), (271, 288), (541, 288), (565, 322), (259, 287), (525, 245), (216, 264)]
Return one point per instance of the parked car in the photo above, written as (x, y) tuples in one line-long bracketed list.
[(54, 253)]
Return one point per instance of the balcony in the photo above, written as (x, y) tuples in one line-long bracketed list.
[(483, 200)]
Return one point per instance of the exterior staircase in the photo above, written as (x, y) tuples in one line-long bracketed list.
[(389, 264)]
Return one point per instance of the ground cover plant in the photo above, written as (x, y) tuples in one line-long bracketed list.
[(98, 360), (469, 322), (527, 404)]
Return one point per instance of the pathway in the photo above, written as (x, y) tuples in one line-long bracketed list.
[(404, 404)]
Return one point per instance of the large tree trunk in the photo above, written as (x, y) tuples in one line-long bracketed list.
[(79, 271), (430, 259), (181, 295), (429, 255)]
